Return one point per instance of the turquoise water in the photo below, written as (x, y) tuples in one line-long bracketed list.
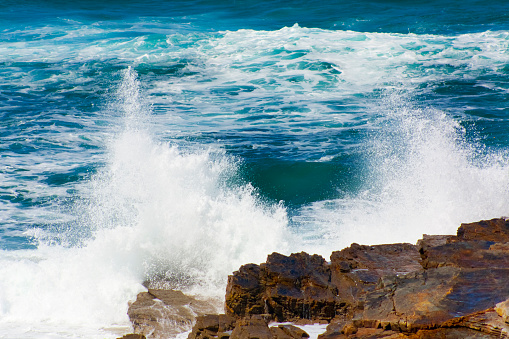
[(179, 140)]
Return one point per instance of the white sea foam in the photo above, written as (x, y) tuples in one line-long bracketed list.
[(424, 178), (153, 212)]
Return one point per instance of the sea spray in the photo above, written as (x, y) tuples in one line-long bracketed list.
[(422, 178), (152, 213), (192, 225)]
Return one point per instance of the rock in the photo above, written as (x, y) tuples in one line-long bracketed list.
[(286, 287), (251, 327), (304, 286), (380, 259), (288, 332), (133, 336), (357, 269), (448, 286), (163, 313), (335, 328), (468, 254), (244, 292), (496, 230), (473, 247), (255, 326), (431, 298), (212, 325), (450, 333), (502, 309)]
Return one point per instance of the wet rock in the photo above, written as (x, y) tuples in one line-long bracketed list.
[(162, 313), (358, 268), (451, 333), (380, 259), (468, 254), (133, 336), (286, 287), (288, 332), (251, 327), (213, 325), (431, 298), (256, 326), (448, 286), (502, 310), (496, 230), (244, 292), (473, 247)]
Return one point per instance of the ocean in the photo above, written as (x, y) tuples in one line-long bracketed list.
[(169, 143)]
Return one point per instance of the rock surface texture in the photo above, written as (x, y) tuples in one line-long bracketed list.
[(161, 313), (446, 286)]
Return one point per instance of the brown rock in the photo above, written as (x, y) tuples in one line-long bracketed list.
[(133, 336), (487, 322), (244, 292), (212, 325), (164, 313), (502, 310), (286, 287), (380, 259), (468, 254), (251, 327), (431, 298), (446, 286), (496, 230), (450, 333), (357, 269), (288, 332)]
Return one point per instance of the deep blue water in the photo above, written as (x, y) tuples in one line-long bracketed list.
[(195, 136)]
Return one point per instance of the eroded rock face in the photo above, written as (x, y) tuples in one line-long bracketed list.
[(133, 336), (496, 230), (303, 286), (162, 313), (502, 310), (357, 269), (464, 277), (255, 326), (434, 297), (447, 286), (286, 287), (213, 325)]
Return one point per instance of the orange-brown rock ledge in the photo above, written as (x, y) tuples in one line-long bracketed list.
[(444, 287)]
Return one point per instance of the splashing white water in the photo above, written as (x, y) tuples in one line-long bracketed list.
[(152, 212), (425, 179)]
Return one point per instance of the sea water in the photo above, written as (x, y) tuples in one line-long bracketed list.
[(171, 142)]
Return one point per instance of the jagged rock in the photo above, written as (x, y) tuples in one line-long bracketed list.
[(286, 287), (255, 326), (305, 286), (251, 327), (451, 333), (212, 325), (473, 247), (468, 254), (496, 230), (357, 269), (381, 259), (445, 287), (502, 310), (288, 332), (133, 336), (431, 298), (163, 313)]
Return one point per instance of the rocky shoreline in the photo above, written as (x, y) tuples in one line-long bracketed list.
[(445, 286)]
